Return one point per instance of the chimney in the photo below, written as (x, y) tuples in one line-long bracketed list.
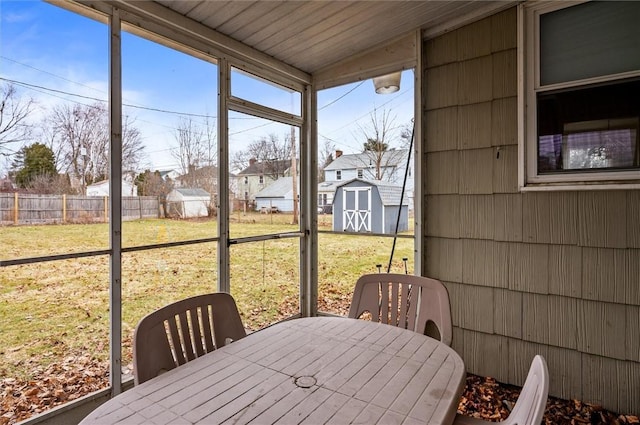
[(252, 161), (338, 154)]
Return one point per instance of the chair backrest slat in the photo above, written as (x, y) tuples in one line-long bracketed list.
[(395, 318), (176, 340), (185, 334), (207, 329), (410, 305), (384, 304), (196, 331)]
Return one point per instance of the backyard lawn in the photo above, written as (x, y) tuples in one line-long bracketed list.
[(56, 309)]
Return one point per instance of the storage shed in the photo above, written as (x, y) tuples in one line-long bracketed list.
[(278, 196), (188, 203), (369, 206)]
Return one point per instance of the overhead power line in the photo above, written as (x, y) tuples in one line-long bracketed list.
[(335, 100), (147, 108)]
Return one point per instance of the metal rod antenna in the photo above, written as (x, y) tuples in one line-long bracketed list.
[(404, 185)]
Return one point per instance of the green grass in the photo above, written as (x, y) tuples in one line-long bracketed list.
[(52, 310)]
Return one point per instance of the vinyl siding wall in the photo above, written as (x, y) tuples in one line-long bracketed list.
[(555, 273)]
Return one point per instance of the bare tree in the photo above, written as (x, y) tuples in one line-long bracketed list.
[(325, 157), (79, 136), (132, 145), (49, 138), (270, 153), (51, 185), (207, 175), (14, 112), (82, 138), (210, 145), (406, 134), (190, 152), (380, 135)]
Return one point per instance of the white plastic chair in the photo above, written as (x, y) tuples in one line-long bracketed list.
[(179, 332), (529, 408), (411, 302)]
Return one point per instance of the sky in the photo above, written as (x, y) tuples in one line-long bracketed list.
[(56, 56)]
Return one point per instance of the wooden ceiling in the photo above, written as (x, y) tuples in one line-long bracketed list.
[(312, 35)]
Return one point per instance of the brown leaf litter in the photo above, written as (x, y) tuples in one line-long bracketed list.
[(75, 376)]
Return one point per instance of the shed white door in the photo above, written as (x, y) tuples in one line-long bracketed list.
[(356, 215)]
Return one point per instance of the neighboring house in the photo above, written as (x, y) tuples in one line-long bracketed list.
[(278, 194), (326, 192), (169, 174), (258, 175), (101, 188), (393, 165), (185, 202), (369, 206), (205, 177)]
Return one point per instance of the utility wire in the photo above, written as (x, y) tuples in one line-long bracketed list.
[(49, 73), (369, 113), (166, 111), (334, 101)]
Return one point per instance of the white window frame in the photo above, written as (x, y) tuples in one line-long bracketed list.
[(528, 88)]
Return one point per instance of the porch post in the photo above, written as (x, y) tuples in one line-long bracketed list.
[(115, 200), (309, 204), (419, 238), (223, 176)]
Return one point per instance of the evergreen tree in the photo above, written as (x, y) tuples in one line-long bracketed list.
[(34, 161)]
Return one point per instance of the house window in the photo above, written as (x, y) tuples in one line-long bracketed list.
[(261, 180), (582, 91), (246, 179), (360, 173), (338, 175)]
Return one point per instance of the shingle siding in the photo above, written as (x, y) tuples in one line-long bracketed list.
[(555, 273)]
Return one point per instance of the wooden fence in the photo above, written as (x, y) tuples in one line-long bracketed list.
[(26, 208)]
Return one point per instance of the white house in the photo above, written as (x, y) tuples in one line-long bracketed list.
[(101, 188), (169, 174)]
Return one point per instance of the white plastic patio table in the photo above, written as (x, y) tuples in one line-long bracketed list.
[(311, 370)]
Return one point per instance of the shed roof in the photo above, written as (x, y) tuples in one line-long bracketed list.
[(192, 192), (390, 194)]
